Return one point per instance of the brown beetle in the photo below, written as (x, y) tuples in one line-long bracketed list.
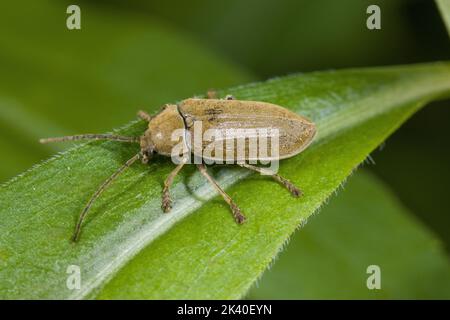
[(295, 133)]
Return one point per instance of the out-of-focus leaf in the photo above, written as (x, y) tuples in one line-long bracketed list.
[(207, 255), (277, 37), (365, 225), (444, 8), (57, 81), (421, 147)]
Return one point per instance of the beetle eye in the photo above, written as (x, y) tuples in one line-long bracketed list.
[(229, 97), (147, 155)]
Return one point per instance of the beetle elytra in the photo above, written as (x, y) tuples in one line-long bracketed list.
[(295, 134)]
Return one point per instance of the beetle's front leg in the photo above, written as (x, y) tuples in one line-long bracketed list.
[(166, 200)]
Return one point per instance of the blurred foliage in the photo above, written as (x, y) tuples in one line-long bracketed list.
[(271, 38), (142, 54), (444, 7), (415, 161), (351, 233)]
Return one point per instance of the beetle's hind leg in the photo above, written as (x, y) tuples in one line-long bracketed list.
[(166, 200), (296, 192), (237, 215)]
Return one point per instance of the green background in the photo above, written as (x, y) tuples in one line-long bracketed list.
[(145, 53)]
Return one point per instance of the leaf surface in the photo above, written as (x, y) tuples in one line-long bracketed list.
[(128, 243)]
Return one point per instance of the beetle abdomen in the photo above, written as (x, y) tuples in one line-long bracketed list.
[(229, 119)]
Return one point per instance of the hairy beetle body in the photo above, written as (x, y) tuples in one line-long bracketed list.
[(228, 118), (294, 132)]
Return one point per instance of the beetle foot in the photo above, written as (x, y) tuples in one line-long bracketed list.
[(296, 192), (166, 202), (237, 214)]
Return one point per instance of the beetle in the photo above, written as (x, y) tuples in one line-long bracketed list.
[(295, 135)]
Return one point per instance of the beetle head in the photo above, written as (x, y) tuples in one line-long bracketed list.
[(158, 137), (147, 147)]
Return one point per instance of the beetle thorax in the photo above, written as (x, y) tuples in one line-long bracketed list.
[(158, 137)]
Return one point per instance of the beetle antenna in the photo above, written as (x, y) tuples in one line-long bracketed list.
[(92, 137), (99, 192)]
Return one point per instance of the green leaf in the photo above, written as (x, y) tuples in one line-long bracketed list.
[(444, 8), (56, 81), (425, 191), (206, 255), (365, 225)]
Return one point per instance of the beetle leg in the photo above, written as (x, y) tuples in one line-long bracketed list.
[(166, 201), (144, 116), (296, 192), (211, 94), (237, 215)]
